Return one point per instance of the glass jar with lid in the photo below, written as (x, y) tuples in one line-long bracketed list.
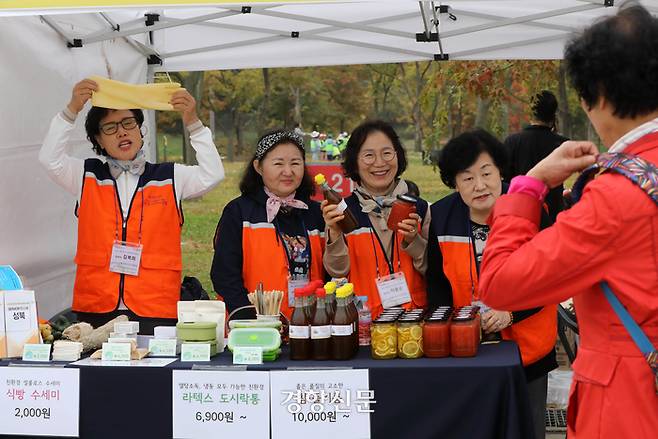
[(410, 337), (383, 339), (464, 333)]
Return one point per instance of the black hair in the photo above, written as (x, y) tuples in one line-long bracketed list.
[(252, 182), (463, 150), (358, 138), (544, 106), (412, 188), (617, 58), (93, 125)]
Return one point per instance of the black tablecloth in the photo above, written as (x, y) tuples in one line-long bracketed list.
[(472, 398)]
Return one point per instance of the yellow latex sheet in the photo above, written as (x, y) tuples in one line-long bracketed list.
[(123, 96)]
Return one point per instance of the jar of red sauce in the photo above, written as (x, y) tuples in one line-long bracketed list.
[(402, 207), (436, 334), (464, 333)]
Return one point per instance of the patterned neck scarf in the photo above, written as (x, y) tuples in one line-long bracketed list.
[(134, 166), (275, 202)]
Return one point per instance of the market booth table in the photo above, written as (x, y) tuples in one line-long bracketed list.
[(479, 397)]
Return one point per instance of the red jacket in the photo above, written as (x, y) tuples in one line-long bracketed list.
[(610, 234)]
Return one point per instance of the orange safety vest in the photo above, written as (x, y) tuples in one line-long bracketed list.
[(264, 259), (155, 291), (536, 334), (363, 263)]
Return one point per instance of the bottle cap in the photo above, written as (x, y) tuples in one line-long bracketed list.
[(342, 292), (319, 179), (330, 287)]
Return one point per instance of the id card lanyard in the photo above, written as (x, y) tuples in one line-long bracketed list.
[(126, 256), (294, 283), (472, 257), (393, 289)]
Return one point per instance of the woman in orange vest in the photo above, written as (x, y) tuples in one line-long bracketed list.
[(377, 260), (471, 164), (273, 233), (129, 210)]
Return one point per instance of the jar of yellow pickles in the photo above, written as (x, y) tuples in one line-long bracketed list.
[(383, 338), (410, 337)]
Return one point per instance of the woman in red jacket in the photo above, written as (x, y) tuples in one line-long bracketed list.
[(609, 235)]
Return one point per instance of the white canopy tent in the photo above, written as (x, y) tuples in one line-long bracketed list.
[(45, 50)]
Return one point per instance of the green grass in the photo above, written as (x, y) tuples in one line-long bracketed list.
[(202, 214)]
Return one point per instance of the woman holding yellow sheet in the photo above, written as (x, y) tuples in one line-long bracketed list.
[(129, 210)]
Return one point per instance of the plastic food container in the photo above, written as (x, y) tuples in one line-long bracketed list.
[(402, 207), (436, 335), (268, 339), (383, 339), (254, 323), (196, 331), (410, 337), (464, 334)]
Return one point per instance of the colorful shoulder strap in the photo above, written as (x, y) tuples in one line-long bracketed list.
[(644, 175)]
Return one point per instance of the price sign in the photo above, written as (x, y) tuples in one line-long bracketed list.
[(321, 404), (221, 404), (335, 176), (39, 401)]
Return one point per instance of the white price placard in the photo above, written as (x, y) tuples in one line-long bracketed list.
[(321, 404), (39, 401), (221, 404)]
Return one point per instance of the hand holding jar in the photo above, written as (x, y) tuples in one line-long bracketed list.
[(403, 217)]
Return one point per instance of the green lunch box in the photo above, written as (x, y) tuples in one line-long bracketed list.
[(196, 331), (268, 339), (254, 323)]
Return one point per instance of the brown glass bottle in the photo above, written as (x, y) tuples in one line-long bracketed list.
[(299, 330), (354, 314), (321, 329), (342, 340), (348, 223), (330, 299)]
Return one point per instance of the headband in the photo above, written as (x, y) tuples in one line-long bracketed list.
[(271, 140)]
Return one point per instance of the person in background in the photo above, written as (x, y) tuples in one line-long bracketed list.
[(126, 203), (316, 146), (609, 235), (323, 146), (471, 163), (273, 232), (535, 142), (375, 159)]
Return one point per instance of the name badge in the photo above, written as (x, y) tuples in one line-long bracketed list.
[(292, 285), (393, 290), (125, 258)]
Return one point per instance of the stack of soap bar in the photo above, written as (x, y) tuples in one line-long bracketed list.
[(66, 350), (126, 327)]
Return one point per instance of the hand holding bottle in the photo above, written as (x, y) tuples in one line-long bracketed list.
[(332, 216)]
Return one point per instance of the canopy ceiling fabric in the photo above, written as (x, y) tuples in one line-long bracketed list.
[(294, 34)]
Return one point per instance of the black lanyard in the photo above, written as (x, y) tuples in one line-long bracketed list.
[(289, 258), (116, 212), (389, 262)]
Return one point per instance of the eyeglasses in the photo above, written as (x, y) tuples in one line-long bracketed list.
[(369, 157), (129, 123)]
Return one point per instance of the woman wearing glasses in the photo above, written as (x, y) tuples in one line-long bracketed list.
[(386, 266), (129, 210), (471, 164)]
